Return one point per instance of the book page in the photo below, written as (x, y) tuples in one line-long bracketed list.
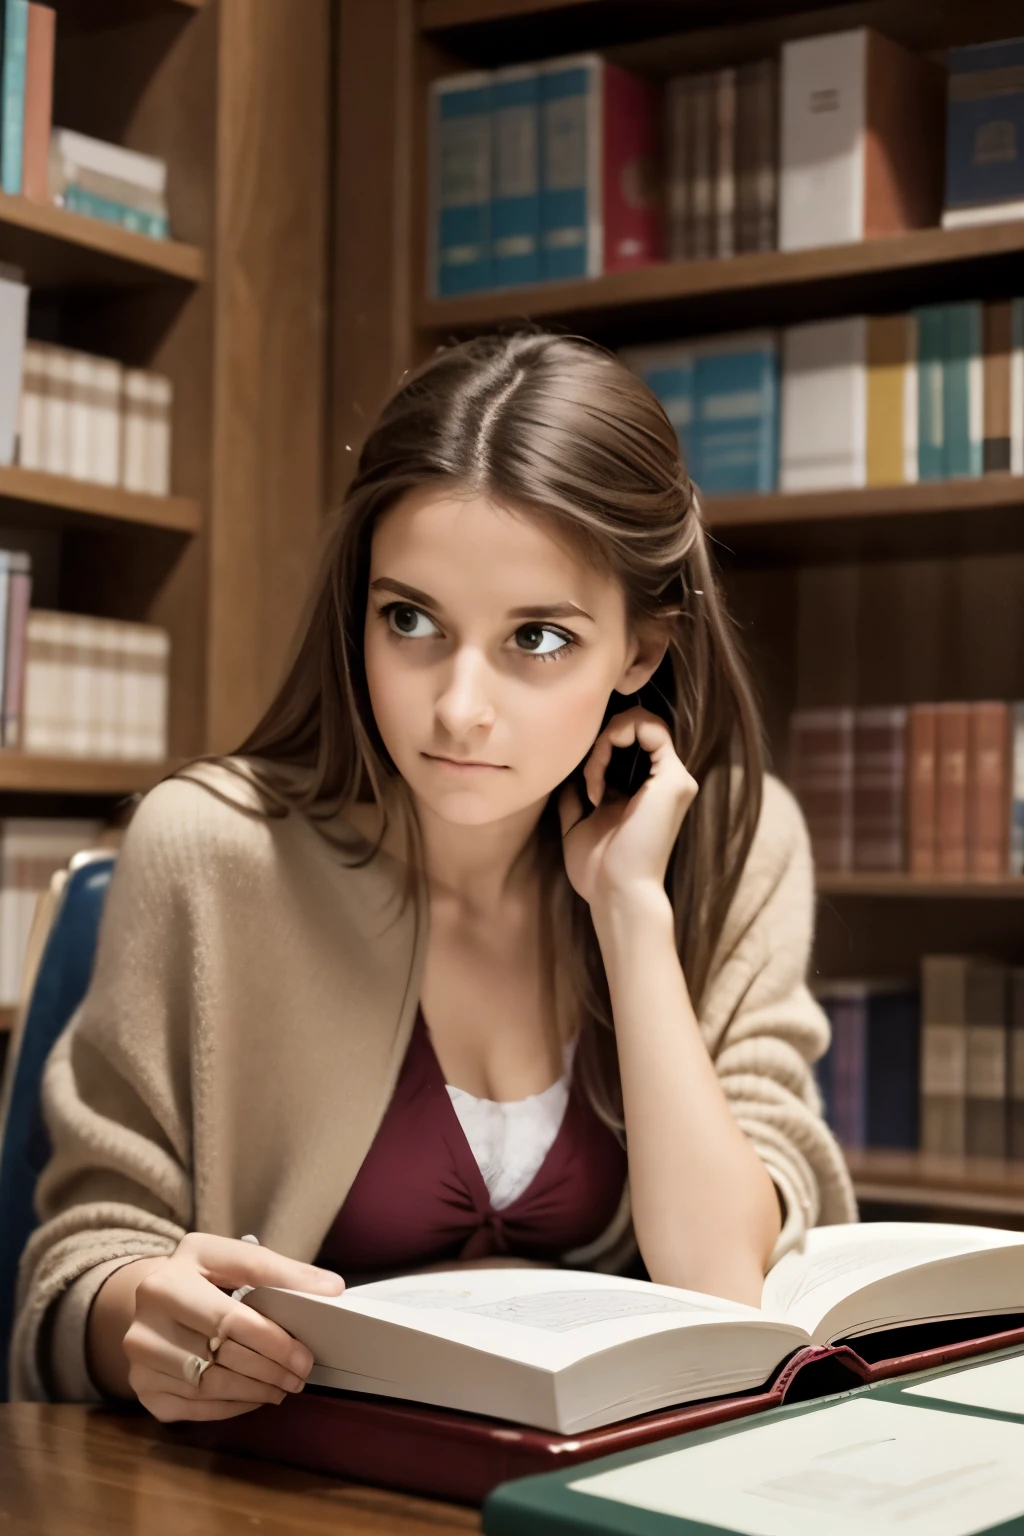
[(841, 1260), (852, 1466), (999, 1385)]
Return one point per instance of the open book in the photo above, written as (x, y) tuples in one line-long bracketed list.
[(570, 1350)]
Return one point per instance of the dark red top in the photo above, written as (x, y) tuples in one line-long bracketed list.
[(420, 1198)]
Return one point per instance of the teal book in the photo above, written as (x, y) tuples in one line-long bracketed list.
[(962, 391), (460, 184), (736, 409), (12, 131), (938, 1454), (79, 200), (931, 356), (668, 371), (515, 186)]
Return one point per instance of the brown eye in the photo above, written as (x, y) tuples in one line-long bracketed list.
[(411, 623), (541, 640)]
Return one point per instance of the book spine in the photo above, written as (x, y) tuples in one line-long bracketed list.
[(702, 202), (985, 1097), (515, 190), (850, 1070), (81, 426), (5, 608), (824, 405), (893, 1068), (13, 315), (962, 391), (887, 364), (747, 156), (147, 173), (133, 431), (997, 323), (988, 782), (879, 789), (823, 86), (30, 420), (951, 777), (1015, 1064), (767, 173), (572, 136), (985, 126), (460, 184), (78, 200), (631, 169), (725, 162), (14, 670), (943, 1053), (158, 435), (668, 372), (911, 406), (39, 53), (678, 146), (1016, 864), (108, 445), (736, 410), (13, 79), (931, 353), (1017, 388), (57, 408), (922, 730), (821, 775)]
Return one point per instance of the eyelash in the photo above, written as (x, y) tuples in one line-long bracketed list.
[(570, 645)]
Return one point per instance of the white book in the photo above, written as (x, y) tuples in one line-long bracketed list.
[(108, 688), (985, 213), (81, 414), (1017, 390), (823, 84), (134, 430), (108, 373), (79, 666), (570, 1350), (156, 650), (824, 405), (30, 422), (41, 684), (158, 434), (133, 698), (13, 315), (57, 411), (79, 149)]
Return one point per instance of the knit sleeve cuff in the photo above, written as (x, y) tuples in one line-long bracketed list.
[(66, 1370)]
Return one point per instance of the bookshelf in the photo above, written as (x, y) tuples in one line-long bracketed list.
[(884, 595), (236, 96)]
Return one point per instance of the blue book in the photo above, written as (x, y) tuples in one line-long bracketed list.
[(736, 406), (12, 132), (962, 385), (570, 195), (984, 128), (931, 356), (893, 1067), (460, 244), (515, 186), (668, 371)]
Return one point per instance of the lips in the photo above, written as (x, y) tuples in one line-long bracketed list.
[(455, 762)]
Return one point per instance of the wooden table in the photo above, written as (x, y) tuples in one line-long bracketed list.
[(69, 1470)]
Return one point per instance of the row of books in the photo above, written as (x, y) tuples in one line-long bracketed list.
[(573, 167), (927, 789), (32, 850), (48, 164), (834, 404), (936, 1066), (94, 419), (95, 688)]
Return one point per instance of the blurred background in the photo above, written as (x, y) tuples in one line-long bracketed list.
[(228, 226)]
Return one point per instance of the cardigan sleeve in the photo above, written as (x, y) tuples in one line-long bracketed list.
[(116, 1100), (764, 1029)]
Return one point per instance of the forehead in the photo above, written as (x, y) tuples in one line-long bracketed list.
[(460, 547)]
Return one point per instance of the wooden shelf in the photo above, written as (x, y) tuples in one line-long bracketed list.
[(30, 489), (59, 249), (935, 517), (1009, 889), (948, 1183), (23, 772), (773, 286), (76, 16)]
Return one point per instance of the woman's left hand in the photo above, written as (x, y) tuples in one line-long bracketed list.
[(625, 844)]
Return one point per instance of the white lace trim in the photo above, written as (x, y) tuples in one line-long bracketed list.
[(511, 1138)]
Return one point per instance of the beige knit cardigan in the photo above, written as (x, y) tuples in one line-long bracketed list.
[(252, 999)]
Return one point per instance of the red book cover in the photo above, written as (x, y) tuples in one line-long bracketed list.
[(988, 790), (462, 1456), (879, 789), (821, 778), (632, 157), (35, 174), (951, 775), (922, 730)]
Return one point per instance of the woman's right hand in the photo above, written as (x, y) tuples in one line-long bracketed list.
[(180, 1305)]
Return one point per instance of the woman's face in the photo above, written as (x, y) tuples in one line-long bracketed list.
[(491, 651)]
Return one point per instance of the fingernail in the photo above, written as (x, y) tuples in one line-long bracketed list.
[(294, 1384)]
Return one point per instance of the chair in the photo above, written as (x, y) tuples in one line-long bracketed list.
[(65, 958)]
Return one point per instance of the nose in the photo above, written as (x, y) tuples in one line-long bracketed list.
[(465, 704)]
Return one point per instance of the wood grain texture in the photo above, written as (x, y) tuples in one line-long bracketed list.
[(871, 887), (25, 772), (954, 1183), (56, 247), (76, 1471), (270, 356), (180, 514)]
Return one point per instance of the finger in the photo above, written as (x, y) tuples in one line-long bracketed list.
[(229, 1262), (570, 808), (182, 1296), (170, 1410), (596, 767), (217, 1385), (150, 1349), (246, 1362)]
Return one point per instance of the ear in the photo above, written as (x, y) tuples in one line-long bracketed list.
[(649, 644)]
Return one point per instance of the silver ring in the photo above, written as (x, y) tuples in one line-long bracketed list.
[(193, 1369)]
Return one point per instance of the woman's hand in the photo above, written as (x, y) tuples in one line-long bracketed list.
[(625, 844), (180, 1305)]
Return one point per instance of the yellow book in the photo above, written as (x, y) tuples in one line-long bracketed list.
[(891, 413)]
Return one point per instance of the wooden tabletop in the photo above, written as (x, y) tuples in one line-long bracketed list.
[(69, 1470)]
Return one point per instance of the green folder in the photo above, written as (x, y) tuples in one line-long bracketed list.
[(878, 1459)]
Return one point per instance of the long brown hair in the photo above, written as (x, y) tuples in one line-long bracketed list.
[(554, 426)]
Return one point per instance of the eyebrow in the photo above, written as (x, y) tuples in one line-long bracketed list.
[(536, 611)]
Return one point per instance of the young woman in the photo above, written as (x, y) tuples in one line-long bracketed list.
[(408, 981)]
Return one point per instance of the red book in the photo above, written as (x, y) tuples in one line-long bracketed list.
[(988, 790), (953, 741), (35, 175), (631, 183), (879, 789), (821, 778)]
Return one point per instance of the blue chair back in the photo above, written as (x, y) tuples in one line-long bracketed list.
[(60, 984)]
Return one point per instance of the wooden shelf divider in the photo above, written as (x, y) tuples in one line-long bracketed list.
[(922, 1179), (1008, 888), (56, 247), (25, 772), (178, 514)]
